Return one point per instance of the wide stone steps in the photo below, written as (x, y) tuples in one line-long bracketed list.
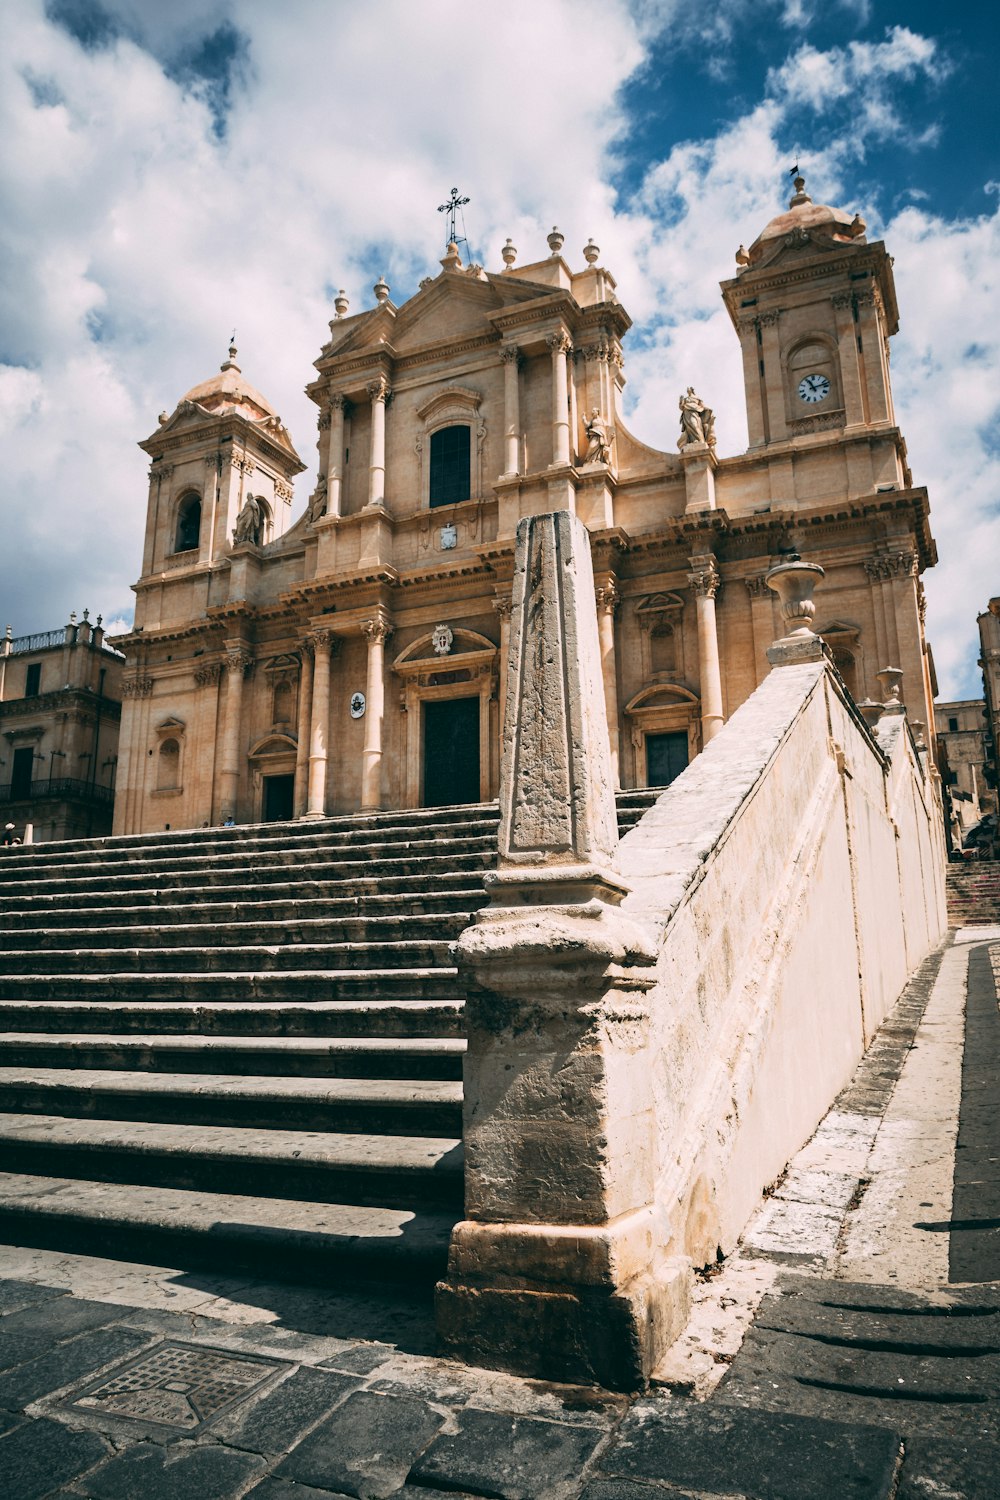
[(313, 1166), (974, 893), (277, 1236), (242, 1045), (239, 931)]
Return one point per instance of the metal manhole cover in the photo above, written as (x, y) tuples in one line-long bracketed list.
[(182, 1386)]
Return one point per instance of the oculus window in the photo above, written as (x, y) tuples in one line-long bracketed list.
[(450, 465)]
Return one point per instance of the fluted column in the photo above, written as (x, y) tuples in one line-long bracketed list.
[(304, 727), (238, 663), (323, 648), (704, 580), (511, 356), (335, 456), (608, 600), (379, 393), (377, 631), (560, 345)]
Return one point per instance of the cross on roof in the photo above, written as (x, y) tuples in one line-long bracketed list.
[(450, 208)]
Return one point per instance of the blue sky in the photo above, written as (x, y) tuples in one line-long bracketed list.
[(168, 172)]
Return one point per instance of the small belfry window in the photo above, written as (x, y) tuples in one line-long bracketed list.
[(188, 524), (450, 466)]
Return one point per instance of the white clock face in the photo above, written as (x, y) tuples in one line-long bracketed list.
[(813, 388)]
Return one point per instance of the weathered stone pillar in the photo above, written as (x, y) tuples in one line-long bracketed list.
[(704, 580), (324, 646), (558, 1270), (377, 631), (304, 728), (238, 663), (511, 356), (502, 603), (608, 600), (559, 343), (379, 393), (335, 455)]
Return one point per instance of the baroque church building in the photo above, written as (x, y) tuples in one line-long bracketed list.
[(352, 656)]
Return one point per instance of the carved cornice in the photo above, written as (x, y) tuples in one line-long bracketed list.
[(137, 687), (822, 423), (282, 491)]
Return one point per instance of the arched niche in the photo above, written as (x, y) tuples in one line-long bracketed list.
[(453, 408), (168, 775)]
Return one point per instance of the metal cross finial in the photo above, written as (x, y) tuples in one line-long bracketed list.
[(450, 208)]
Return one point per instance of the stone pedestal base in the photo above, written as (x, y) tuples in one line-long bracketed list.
[(700, 464), (577, 1304)]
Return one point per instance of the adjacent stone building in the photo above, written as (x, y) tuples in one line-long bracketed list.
[(961, 732), (291, 661), (60, 714)]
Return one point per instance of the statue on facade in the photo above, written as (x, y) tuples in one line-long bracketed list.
[(598, 439), (249, 523), (697, 420)]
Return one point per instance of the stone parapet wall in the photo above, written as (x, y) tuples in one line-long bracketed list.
[(796, 876)]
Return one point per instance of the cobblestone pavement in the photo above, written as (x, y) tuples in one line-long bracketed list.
[(808, 1372)]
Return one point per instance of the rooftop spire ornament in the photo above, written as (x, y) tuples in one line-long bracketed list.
[(451, 208)]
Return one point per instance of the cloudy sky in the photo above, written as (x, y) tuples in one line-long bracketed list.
[(170, 171)]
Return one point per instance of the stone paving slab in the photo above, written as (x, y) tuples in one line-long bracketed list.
[(366, 1448), (507, 1457), (41, 1455)]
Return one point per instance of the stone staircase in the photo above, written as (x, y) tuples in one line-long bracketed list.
[(974, 893), (242, 1047)]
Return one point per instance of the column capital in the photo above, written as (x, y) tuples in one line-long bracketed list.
[(704, 577), (339, 402), (321, 638), (378, 629), (503, 604), (208, 674), (608, 597), (239, 660), (559, 343), (379, 389), (510, 354)]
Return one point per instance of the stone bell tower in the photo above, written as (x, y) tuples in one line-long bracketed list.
[(814, 305), (221, 473)]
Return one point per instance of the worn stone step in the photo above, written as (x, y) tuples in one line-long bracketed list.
[(282, 1237), (314, 1057), (198, 987), (96, 862), (364, 1106), (313, 1166), (240, 932), (415, 872), (234, 903), (321, 1018), (256, 958)]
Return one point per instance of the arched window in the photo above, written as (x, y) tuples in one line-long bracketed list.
[(188, 524), (451, 468), (168, 765)]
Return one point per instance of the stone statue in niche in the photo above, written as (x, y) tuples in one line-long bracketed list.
[(598, 439), (697, 420), (250, 522)]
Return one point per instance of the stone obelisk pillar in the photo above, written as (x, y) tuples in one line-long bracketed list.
[(558, 1269)]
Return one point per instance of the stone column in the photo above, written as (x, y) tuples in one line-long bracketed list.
[(379, 393), (704, 580), (377, 631), (608, 600), (560, 345), (511, 356), (319, 749), (558, 1269), (502, 603), (335, 455), (238, 663), (304, 727)]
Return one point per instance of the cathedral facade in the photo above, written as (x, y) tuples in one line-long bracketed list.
[(300, 663)]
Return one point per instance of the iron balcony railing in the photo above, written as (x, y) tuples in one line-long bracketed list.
[(62, 787)]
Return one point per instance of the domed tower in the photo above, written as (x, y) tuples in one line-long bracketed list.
[(221, 473), (814, 305)]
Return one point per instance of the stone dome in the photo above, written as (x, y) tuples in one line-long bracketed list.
[(228, 391), (803, 216)]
